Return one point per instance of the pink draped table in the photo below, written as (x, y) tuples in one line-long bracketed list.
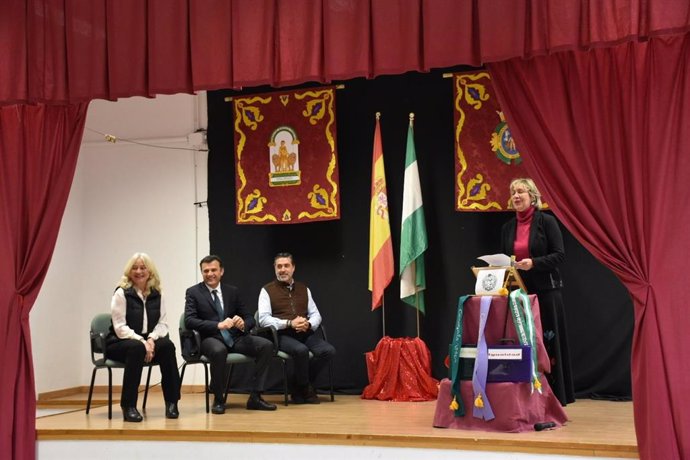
[(515, 406)]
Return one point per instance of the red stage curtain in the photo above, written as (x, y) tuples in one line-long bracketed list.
[(38, 154), (603, 134), (78, 50)]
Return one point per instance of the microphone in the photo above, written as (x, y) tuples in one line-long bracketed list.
[(544, 426)]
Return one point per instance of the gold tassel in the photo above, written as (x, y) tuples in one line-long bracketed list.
[(479, 402), (537, 384), (454, 404), (503, 291)]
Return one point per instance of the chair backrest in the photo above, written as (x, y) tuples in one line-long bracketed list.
[(190, 342), (100, 327), (183, 326), (101, 323)]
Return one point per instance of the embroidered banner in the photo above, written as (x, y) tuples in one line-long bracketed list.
[(486, 158), (285, 157)]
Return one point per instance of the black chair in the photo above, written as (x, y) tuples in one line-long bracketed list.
[(100, 327), (190, 341), (283, 357)]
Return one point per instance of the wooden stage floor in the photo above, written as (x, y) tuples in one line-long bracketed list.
[(596, 428)]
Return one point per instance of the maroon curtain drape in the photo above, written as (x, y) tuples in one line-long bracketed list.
[(604, 135), (78, 50), (38, 154)]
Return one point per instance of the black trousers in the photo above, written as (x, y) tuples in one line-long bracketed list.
[(298, 345), (132, 353), (216, 352)]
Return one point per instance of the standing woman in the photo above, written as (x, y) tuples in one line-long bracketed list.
[(140, 335), (536, 241)]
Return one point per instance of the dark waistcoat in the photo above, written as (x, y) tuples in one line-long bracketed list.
[(134, 315), (287, 302)]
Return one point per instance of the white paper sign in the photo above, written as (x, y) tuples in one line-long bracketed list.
[(489, 281), (513, 354)]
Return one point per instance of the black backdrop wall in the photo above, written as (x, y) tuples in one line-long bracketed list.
[(332, 257)]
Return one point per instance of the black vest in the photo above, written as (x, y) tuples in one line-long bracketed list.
[(135, 310), (134, 314)]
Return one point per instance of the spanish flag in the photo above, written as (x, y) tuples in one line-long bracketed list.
[(381, 263)]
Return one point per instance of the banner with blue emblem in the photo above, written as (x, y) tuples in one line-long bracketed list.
[(486, 157)]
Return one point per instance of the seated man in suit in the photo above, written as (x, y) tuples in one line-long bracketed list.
[(223, 322), (288, 306)]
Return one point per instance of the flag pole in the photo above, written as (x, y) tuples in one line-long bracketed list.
[(383, 314), (416, 294), (383, 298), (381, 260), (413, 239), (416, 301)]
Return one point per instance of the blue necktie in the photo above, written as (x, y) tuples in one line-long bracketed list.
[(221, 315)]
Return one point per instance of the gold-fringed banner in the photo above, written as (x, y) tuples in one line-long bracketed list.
[(486, 157), (285, 157)]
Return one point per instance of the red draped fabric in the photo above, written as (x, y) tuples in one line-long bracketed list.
[(78, 50), (603, 134), (399, 369), (38, 155)]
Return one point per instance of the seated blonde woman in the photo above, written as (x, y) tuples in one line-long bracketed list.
[(139, 335)]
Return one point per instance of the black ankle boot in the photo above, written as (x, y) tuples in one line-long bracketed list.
[(171, 410), (131, 414)]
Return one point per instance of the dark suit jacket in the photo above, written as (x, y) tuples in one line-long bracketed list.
[(545, 249), (200, 311)]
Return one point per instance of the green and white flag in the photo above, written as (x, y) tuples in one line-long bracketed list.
[(413, 241)]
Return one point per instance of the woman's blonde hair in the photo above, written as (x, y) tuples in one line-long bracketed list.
[(534, 195), (154, 281)]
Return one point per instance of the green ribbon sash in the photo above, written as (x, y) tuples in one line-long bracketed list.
[(521, 310), (454, 367)]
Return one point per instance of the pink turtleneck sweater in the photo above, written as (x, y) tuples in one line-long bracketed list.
[(524, 221)]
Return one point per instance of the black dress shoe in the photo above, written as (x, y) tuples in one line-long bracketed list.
[(256, 402), (298, 395), (171, 410), (310, 396), (218, 406), (131, 414)]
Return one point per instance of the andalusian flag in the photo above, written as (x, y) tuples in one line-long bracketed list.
[(413, 241), (380, 246)]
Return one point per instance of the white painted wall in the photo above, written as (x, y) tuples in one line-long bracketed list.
[(126, 197)]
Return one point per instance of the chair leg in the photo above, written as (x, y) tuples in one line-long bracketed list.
[(146, 390), (227, 384), (184, 366), (208, 409), (285, 381), (330, 380), (110, 393), (93, 379)]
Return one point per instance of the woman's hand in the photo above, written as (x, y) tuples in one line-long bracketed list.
[(524, 264), (150, 345)]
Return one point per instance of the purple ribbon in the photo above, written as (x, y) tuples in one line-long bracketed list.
[(481, 365)]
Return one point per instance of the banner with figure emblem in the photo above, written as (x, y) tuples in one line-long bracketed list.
[(286, 167), (486, 157)]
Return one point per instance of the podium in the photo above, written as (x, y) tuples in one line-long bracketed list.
[(515, 406)]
